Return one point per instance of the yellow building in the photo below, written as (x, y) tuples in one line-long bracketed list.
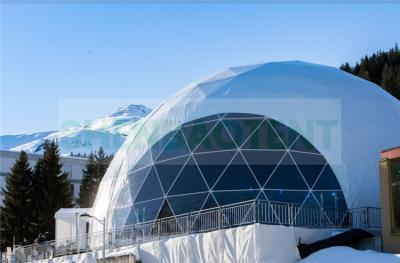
[(390, 199)]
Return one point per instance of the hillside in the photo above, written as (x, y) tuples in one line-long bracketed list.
[(109, 132)]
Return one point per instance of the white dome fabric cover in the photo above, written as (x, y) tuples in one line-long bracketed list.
[(349, 120)]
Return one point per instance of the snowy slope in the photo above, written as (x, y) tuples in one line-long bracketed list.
[(108, 132), (11, 141), (350, 255)]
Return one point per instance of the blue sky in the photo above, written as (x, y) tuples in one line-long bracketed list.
[(82, 60)]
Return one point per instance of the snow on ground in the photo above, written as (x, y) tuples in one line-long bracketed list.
[(350, 255)]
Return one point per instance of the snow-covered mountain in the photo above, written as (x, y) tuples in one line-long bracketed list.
[(109, 132)]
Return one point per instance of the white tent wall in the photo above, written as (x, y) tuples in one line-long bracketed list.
[(253, 243), (367, 122)]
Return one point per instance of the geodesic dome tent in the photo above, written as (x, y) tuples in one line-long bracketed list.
[(283, 132)]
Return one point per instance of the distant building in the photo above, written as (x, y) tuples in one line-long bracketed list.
[(390, 199), (72, 165)]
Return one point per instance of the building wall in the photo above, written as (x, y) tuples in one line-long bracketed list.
[(72, 165), (390, 241)]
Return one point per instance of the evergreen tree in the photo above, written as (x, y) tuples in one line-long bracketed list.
[(86, 190), (96, 167), (382, 68), (51, 189), (16, 213)]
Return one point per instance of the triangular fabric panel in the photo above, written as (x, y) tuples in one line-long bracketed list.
[(237, 176), (240, 129), (187, 203), (213, 164), (303, 145), (169, 170), (264, 137), (310, 165), (262, 163), (194, 134), (286, 134), (286, 176), (189, 180), (150, 189), (327, 180), (218, 139), (175, 148)]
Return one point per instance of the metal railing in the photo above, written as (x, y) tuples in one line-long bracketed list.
[(229, 216)]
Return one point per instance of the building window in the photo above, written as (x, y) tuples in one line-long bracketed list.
[(395, 194)]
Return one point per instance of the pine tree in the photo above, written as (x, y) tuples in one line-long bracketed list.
[(88, 181), (382, 68), (16, 213), (96, 167), (51, 189)]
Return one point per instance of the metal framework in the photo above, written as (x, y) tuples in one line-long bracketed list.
[(235, 215)]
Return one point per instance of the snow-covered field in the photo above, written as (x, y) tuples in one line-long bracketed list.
[(109, 132), (350, 255)]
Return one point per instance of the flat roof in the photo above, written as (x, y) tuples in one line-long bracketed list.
[(391, 153), (36, 156)]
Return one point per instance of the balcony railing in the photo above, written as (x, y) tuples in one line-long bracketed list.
[(229, 216)]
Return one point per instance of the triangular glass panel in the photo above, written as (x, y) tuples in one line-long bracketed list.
[(331, 199), (303, 145), (264, 137), (241, 116), (148, 211), (201, 120), (286, 196), (136, 180), (187, 203), (132, 217), (150, 189), (175, 148), (237, 176), (262, 163), (327, 180), (144, 161), (120, 215), (213, 164), (165, 211), (169, 170), (311, 213), (195, 134), (310, 165), (158, 146), (286, 176), (218, 140), (209, 203), (287, 135), (232, 197), (189, 180), (240, 129), (124, 197)]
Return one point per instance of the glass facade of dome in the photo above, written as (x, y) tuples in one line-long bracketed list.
[(224, 159)]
